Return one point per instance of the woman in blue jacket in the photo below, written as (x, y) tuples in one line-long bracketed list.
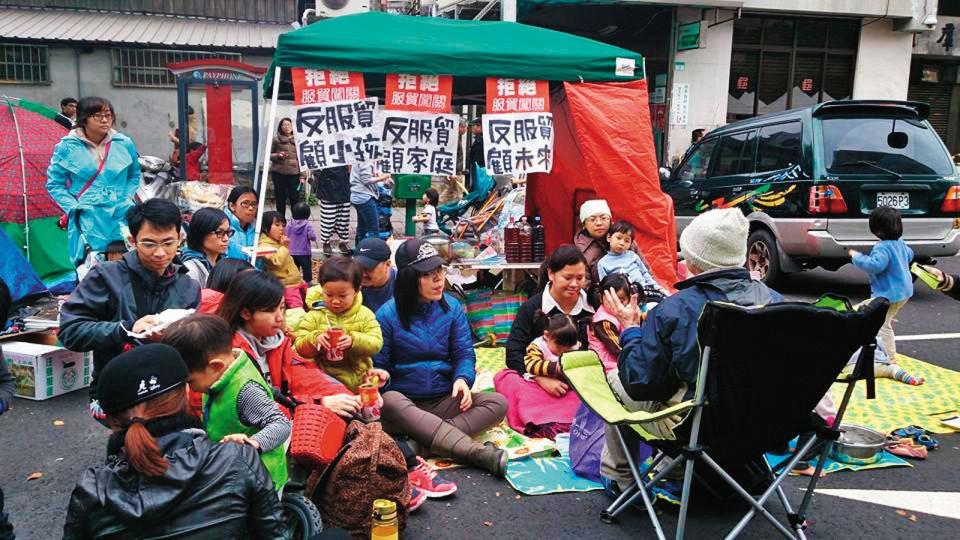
[(242, 213), (428, 353), (93, 176)]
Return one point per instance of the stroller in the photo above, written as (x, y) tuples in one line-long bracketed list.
[(448, 214)]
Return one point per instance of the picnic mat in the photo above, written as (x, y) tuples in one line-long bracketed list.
[(886, 461), (551, 474), (517, 445), (900, 405)]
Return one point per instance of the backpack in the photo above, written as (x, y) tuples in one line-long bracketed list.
[(369, 466)]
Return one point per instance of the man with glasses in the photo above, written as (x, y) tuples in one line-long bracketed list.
[(120, 298)]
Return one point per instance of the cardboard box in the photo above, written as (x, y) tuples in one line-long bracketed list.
[(46, 371)]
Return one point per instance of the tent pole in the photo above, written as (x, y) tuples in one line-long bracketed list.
[(508, 10), (261, 182), (23, 178)]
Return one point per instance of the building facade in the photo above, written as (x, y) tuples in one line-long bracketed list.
[(118, 49)]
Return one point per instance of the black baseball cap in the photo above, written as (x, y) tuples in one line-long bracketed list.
[(419, 255), (140, 374), (371, 252)]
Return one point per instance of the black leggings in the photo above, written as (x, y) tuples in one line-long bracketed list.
[(285, 188), (305, 264)]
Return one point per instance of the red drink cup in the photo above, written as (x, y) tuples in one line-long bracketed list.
[(369, 395), (333, 337)]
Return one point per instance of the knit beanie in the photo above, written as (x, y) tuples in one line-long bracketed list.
[(139, 374), (716, 239), (592, 208)]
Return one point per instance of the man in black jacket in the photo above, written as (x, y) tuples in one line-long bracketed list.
[(123, 297), (476, 157)]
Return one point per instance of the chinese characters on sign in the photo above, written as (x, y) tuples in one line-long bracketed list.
[(743, 83), (517, 95), (427, 93), (322, 86), (337, 133), (518, 142), (806, 85), (418, 143)]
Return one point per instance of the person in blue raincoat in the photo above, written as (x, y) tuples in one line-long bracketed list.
[(242, 212), (95, 213)]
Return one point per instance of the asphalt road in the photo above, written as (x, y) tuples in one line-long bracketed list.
[(489, 508)]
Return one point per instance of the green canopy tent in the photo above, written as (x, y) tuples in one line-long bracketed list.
[(613, 159), (378, 43)]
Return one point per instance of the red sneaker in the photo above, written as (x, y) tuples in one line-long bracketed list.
[(417, 498), (424, 478)]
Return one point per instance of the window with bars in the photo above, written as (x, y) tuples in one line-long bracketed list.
[(24, 64), (781, 63), (148, 67)]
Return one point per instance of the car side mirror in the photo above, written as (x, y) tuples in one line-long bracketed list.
[(665, 174), (897, 139)]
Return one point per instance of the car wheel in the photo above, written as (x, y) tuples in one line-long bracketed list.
[(763, 257)]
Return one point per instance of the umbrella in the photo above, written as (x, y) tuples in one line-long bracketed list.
[(28, 134)]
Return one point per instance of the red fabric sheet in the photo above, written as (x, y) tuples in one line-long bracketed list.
[(603, 147)]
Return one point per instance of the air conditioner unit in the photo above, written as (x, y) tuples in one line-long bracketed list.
[(336, 8)]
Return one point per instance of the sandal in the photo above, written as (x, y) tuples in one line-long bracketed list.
[(919, 435), (905, 448)]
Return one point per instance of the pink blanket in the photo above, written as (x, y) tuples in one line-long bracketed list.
[(532, 411)]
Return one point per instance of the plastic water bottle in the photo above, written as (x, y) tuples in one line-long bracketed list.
[(511, 241), (384, 525), (526, 240), (539, 245)]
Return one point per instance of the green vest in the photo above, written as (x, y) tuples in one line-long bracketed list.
[(220, 417)]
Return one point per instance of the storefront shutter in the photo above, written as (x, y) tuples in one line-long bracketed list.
[(938, 96)]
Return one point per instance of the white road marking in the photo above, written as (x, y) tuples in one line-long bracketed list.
[(926, 337), (938, 503)]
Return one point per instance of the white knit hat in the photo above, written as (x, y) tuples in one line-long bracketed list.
[(716, 239), (594, 207)]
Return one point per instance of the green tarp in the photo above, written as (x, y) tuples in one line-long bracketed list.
[(382, 43)]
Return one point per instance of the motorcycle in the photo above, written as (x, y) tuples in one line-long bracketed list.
[(155, 174)]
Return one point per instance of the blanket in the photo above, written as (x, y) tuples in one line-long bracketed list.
[(531, 410)]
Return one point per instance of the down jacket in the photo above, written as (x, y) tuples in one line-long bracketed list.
[(663, 353), (210, 490), (426, 359), (360, 323), (103, 307)]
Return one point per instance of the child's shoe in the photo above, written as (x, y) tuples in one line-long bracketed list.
[(417, 498), (425, 479)]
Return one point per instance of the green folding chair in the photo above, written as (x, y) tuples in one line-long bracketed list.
[(762, 372)]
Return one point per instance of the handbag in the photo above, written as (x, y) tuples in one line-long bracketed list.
[(62, 222)]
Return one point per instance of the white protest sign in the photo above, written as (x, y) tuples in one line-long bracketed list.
[(418, 143), (337, 133), (518, 142)]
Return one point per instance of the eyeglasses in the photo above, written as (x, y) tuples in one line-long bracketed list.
[(100, 116), (438, 273), (248, 204), (598, 219), (150, 247), (221, 234)]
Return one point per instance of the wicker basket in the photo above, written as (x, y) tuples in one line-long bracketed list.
[(317, 435)]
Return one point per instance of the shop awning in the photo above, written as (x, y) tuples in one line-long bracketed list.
[(60, 25), (380, 43)]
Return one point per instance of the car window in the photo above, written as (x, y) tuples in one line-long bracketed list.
[(856, 145), (734, 155), (779, 146), (698, 162)]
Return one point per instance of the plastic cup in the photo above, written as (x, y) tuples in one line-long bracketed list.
[(369, 395), (333, 337)]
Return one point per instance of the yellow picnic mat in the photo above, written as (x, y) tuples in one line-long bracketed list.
[(900, 405)]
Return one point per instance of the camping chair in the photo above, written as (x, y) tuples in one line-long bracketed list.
[(448, 214), (762, 372)]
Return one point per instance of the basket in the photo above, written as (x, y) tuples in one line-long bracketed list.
[(317, 435)]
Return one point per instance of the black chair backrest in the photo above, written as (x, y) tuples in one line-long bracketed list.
[(769, 366)]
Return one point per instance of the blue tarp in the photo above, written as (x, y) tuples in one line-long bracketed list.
[(19, 276)]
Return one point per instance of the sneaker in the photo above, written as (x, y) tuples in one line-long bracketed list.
[(417, 498), (668, 491), (344, 248), (327, 250), (426, 480)]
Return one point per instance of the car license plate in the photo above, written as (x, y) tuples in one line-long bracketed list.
[(898, 200)]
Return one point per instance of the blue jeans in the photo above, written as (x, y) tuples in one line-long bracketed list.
[(368, 223)]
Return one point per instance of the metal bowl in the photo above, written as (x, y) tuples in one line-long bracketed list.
[(858, 445)]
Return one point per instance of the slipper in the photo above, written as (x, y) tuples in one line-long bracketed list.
[(905, 448), (919, 435)]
